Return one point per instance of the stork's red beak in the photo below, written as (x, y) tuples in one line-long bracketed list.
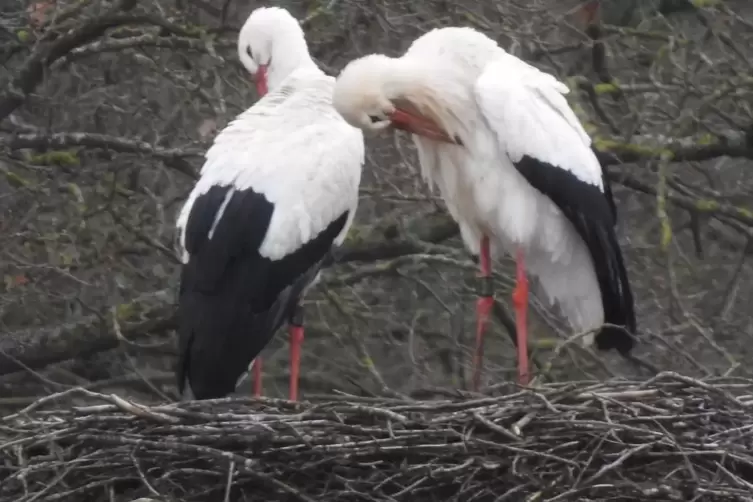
[(419, 125), (260, 79)]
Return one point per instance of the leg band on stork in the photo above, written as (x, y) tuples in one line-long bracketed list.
[(484, 306)]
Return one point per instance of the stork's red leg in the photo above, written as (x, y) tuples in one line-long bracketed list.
[(257, 376), (520, 301), (296, 340), (483, 307)]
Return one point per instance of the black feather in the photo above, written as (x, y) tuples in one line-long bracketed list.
[(593, 214), (232, 299)]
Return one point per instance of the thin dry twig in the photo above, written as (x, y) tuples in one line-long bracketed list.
[(615, 440)]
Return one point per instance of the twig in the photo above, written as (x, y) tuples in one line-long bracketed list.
[(32, 72), (588, 440)]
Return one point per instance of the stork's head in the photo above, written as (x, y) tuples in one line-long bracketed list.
[(377, 92), (271, 44)]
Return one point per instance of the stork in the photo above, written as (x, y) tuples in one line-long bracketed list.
[(515, 169), (278, 189)]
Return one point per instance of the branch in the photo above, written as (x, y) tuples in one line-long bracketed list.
[(434, 229), (32, 72), (93, 140), (609, 152), (137, 320), (598, 53), (37, 348), (146, 40), (612, 153), (712, 208), (155, 312)]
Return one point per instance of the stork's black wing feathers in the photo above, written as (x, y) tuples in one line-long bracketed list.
[(233, 299), (608, 192), (592, 213)]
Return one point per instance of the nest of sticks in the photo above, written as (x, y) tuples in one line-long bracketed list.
[(669, 438)]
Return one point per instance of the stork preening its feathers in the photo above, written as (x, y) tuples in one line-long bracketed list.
[(278, 189), (515, 168)]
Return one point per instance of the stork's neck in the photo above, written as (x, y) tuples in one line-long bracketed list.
[(442, 92), (289, 54)]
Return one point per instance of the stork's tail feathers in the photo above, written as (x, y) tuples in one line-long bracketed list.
[(219, 333), (216, 345), (613, 337), (617, 298)]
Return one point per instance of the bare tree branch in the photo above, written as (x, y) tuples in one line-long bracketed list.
[(32, 71), (92, 140), (36, 348)]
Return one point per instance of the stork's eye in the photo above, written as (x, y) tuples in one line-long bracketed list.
[(375, 118), (248, 51)]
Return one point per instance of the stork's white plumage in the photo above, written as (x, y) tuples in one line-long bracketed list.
[(278, 189), (514, 165)]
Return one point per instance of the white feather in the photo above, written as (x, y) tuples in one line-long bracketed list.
[(295, 149), (501, 108), (532, 117), (272, 36), (529, 116)]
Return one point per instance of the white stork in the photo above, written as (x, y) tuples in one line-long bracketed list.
[(515, 168), (278, 189)]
